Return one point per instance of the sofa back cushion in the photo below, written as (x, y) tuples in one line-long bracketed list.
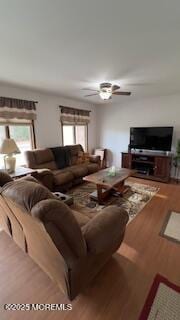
[(45, 158), (26, 193), (74, 153), (41, 158), (83, 157)]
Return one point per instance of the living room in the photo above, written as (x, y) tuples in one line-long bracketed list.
[(79, 84)]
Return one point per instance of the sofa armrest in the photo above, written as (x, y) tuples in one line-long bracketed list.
[(30, 160), (106, 230), (43, 172), (95, 159), (45, 176), (4, 178)]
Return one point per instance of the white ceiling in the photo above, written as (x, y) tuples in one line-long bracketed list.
[(61, 46)]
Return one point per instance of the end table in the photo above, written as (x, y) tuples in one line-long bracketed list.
[(22, 172)]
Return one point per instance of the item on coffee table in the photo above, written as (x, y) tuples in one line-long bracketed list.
[(112, 171)]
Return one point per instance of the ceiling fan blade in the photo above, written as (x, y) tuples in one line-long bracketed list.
[(122, 93), (90, 95), (115, 87), (89, 89)]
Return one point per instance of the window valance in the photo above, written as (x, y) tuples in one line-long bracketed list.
[(76, 116), (11, 108)]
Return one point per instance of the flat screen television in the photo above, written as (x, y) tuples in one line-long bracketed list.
[(151, 138)]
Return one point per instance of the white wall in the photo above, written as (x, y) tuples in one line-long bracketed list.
[(47, 125), (115, 120)]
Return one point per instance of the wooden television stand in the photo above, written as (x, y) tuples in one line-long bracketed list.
[(153, 166)]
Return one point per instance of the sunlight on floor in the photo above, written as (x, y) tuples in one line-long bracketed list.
[(161, 196), (128, 252)]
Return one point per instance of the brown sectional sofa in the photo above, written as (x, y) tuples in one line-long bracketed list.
[(59, 168), (69, 246)]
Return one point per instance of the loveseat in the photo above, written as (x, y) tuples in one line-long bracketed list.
[(60, 168), (70, 247)]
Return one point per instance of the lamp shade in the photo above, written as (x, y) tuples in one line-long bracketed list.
[(9, 146)]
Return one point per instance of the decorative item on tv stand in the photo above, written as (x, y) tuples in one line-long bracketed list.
[(9, 148), (160, 152)]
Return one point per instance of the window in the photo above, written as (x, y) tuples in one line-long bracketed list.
[(2, 132), (75, 134), (68, 135), (22, 133)]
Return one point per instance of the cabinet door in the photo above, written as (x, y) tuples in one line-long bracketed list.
[(126, 160), (162, 167)]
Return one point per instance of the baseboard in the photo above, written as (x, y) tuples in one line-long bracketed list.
[(174, 180)]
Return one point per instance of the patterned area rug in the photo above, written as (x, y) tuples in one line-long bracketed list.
[(137, 196), (163, 301)]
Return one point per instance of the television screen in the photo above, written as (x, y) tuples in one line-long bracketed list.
[(151, 138)]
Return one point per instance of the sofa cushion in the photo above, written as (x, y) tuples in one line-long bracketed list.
[(83, 157), (80, 158), (47, 165), (44, 159), (79, 170), (43, 155), (62, 177), (92, 167), (74, 151), (40, 159), (26, 193)]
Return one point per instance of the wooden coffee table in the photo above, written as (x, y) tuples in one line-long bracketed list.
[(106, 184)]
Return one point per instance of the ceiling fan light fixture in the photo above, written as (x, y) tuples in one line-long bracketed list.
[(105, 95), (106, 90)]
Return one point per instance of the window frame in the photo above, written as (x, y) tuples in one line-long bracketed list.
[(16, 123), (30, 124), (74, 132)]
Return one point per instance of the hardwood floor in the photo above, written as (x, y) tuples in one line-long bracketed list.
[(120, 289)]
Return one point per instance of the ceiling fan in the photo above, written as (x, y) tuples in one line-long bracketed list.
[(106, 90)]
